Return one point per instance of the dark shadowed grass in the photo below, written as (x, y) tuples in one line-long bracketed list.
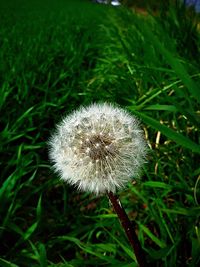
[(55, 57)]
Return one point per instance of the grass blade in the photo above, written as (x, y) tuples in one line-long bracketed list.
[(171, 134)]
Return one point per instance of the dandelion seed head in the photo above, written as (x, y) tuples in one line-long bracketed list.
[(98, 148)]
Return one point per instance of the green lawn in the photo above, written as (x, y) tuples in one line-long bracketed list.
[(56, 57)]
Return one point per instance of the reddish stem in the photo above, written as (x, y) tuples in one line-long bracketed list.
[(133, 239)]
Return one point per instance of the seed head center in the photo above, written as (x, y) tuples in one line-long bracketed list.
[(96, 146)]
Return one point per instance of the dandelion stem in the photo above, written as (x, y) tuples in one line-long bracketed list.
[(133, 239)]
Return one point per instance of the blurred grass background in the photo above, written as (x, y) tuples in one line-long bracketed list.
[(57, 55)]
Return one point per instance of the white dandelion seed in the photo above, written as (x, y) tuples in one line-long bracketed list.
[(98, 148)]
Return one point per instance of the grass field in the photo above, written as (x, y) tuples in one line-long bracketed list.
[(55, 57)]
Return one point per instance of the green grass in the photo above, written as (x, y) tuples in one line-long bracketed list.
[(56, 57)]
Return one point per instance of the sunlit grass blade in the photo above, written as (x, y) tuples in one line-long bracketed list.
[(175, 63), (42, 255), (155, 239), (171, 134)]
